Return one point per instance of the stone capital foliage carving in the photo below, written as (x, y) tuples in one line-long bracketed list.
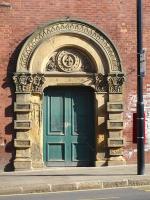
[(32, 83), (111, 83), (28, 83), (74, 27), (23, 82), (115, 82), (38, 81), (100, 82)]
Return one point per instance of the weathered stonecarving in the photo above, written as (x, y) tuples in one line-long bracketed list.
[(111, 83), (69, 60), (68, 53), (74, 27), (27, 83), (115, 82)]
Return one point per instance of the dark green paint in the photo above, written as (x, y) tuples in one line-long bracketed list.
[(69, 138)]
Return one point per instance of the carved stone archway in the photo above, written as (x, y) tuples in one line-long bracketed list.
[(74, 53)]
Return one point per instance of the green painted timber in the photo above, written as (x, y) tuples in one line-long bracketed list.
[(69, 135)]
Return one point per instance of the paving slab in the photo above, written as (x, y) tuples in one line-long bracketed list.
[(71, 178)]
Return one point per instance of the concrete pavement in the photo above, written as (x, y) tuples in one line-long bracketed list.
[(66, 179)]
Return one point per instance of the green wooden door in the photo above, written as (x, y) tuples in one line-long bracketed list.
[(69, 127)]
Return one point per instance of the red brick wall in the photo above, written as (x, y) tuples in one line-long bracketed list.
[(117, 18)]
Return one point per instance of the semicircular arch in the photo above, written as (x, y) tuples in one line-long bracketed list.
[(73, 34)]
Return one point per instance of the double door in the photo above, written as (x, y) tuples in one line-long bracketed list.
[(69, 138)]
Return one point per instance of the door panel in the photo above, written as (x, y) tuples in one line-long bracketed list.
[(56, 115), (56, 152), (80, 152), (69, 127)]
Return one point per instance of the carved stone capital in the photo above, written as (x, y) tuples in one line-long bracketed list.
[(111, 83), (28, 83), (100, 82), (38, 80), (23, 82), (115, 82)]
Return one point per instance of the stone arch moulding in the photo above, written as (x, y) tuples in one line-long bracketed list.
[(71, 53)]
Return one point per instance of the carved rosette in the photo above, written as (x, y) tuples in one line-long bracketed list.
[(115, 82), (28, 83), (69, 60)]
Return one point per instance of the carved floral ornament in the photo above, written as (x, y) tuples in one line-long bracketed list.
[(69, 60), (27, 83), (111, 83), (115, 82), (74, 27), (32, 83)]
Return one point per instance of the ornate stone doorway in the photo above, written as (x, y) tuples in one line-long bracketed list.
[(68, 53)]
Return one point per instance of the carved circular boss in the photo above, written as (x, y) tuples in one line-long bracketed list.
[(68, 60)]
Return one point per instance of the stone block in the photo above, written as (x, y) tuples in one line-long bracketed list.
[(10, 190), (116, 142), (115, 151), (100, 163), (22, 107), (63, 187), (138, 182), (23, 153), (21, 135), (22, 143), (114, 124), (89, 185), (22, 124), (115, 98), (22, 164), (116, 116), (116, 162), (114, 106), (115, 184), (37, 188), (115, 134)]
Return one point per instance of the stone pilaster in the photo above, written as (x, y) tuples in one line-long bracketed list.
[(23, 125), (27, 86), (115, 123), (101, 132)]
